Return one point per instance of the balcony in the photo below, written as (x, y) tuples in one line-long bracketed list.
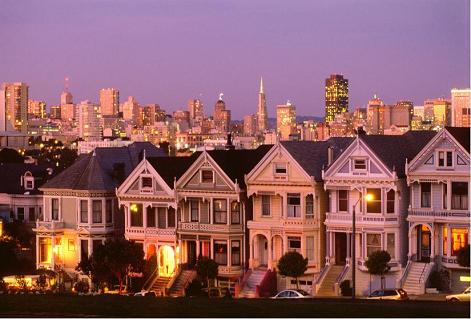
[(229, 270), (197, 227), (364, 219), (428, 215), (49, 226), (96, 228), (135, 232)]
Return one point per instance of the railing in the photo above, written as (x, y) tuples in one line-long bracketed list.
[(174, 275), (361, 218), (320, 277), (141, 231), (405, 274), (439, 213), (209, 227), (241, 282), (146, 286), (424, 275), (340, 278), (267, 286), (50, 224)]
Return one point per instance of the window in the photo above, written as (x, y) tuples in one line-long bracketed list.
[(391, 244), (235, 212), (206, 176), (45, 250), (445, 159), (150, 211), (29, 183), (84, 211), (425, 194), (459, 195), (20, 213), (136, 215), (294, 244), (459, 239), (343, 200), (171, 217), (96, 243), (294, 202), (97, 211), (309, 206), (162, 217), (444, 196), (265, 205), (373, 243), (194, 210), (40, 213), (71, 245), (444, 242), (373, 206), (146, 182), (280, 169), (109, 210), (83, 249), (310, 248), (220, 252), (31, 214), (235, 252), (220, 211), (390, 198), (359, 164), (55, 209)]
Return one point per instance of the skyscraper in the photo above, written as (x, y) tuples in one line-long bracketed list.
[(16, 105), (285, 120), (195, 107), (262, 122), (131, 110), (109, 101), (375, 116), (222, 117), (90, 124), (66, 96), (336, 96), (37, 109), (460, 107)]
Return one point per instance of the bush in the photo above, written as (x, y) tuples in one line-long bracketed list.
[(345, 288), (81, 286), (3, 286), (440, 280), (194, 288)]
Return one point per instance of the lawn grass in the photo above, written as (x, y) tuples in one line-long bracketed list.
[(121, 306)]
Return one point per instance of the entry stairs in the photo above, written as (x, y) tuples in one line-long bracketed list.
[(255, 278), (327, 287), (414, 283), (178, 287)]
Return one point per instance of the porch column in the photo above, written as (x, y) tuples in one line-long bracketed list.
[(90, 220), (144, 218), (228, 211), (37, 251), (448, 240), (53, 254), (180, 251), (210, 208), (269, 242), (327, 245), (197, 248), (229, 253), (448, 195), (409, 253), (251, 249), (349, 250), (126, 217), (432, 239), (363, 239), (211, 249), (284, 206)]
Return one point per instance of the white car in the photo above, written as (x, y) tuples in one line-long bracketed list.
[(291, 294), (145, 293), (464, 296)]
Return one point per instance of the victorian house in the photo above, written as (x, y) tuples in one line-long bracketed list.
[(438, 212), (289, 205), (373, 165), (80, 208)]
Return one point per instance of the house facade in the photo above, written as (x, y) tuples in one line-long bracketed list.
[(438, 216)]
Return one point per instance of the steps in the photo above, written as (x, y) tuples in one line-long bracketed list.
[(159, 285), (413, 285), (248, 291), (327, 285), (178, 287)]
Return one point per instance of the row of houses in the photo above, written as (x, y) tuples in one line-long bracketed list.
[(246, 208)]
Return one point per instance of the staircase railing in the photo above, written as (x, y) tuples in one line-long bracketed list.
[(176, 272), (403, 278), (267, 286), (340, 278), (424, 275), (242, 281), (150, 281), (320, 278)]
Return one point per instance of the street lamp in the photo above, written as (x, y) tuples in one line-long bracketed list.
[(368, 198)]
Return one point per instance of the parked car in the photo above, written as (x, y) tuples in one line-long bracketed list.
[(464, 296), (145, 293), (218, 292), (291, 294), (389, 294)]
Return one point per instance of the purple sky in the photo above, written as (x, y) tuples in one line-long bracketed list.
[(167, 52)]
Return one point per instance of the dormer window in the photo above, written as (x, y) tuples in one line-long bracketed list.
[(28, 180), (280, 169), (445, 159), (146, 184), (207, 176), (359, 164)]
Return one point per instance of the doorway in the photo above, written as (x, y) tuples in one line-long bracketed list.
[(166, 261), (424, 243), (340, 248), (191, 253)]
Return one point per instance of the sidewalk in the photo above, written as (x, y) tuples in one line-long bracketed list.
[(436, 297)]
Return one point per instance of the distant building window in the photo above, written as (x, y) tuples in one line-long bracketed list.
[(310, 206), (109, 210), (359, 164), (280, 168), (235, 212), (425, 195), (97, 211), (220, 211), (445, 159), (373, 206), (459, 195), (235, 253), (194, 210), (390, 199), (294, 244), (84, 211), (294, 205), (20, 213), (343, 200), (207, 176), (265, 205), (55, 209), (31, 214)]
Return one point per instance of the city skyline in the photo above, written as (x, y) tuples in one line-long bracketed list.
[(178, 61)]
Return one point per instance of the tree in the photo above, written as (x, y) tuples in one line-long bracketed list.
[(292, 264), (115, 258), (377, 264), (9, 155), (463, 256), (8, 260), (207, 269)]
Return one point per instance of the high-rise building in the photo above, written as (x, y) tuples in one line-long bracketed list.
[(285, 120), (16, 105), (149, 114), (68, 112), (222, 117), (55, 112), (37, 109), (437, 112), (195, 107), (262, 117), (460, 107), (89, 122), (109, 101), (375, 116), (66, 98), (182, 118), (250, 125), (336, 96), (131, 110)]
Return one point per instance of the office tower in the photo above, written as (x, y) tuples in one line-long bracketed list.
[(37, 109), (195, 107), (149, 112), (109, 101), (222, 117), (68, 112), (262, 122), (182, 118), (250, 124), (409, 105), (16, 105), (285, 120), (4, 123), (336, 96), (399, 115), (460, 107), (66, 96), (89, 122), (131, 110), (375, 116), (55, 112), (437, 112)]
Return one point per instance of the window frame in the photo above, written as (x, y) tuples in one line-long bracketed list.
[(217, 254), (205, 180), (375, 201), (292, 239), (219, 215), (146, 188), (95, 214), (18, 209), (54, 216), (293, 210), (265, 205), (108, 211), (462, 198), (378, 247), (232, 252), (391, 202), (422, 204), (280, 169), (82, 220), (309, 205), (342, 199), (235, 212), (360, 169), (446, 164), (192, 204)]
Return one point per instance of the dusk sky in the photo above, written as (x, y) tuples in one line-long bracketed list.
[(167, 52)]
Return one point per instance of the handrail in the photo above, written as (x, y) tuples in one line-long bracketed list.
[(321, 274), (174, 275), (422, 273), (405, 273), (152, 276), (342, 274)]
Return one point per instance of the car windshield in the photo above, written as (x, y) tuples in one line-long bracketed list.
[(302, 292)]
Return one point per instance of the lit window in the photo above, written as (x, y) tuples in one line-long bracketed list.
[(459, 239), (373, 205)]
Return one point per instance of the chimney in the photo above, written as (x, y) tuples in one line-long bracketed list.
[(229, 145), (330, 155)]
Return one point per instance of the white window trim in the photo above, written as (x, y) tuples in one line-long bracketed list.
[(362, 170), (143, 189), (201, 176), (261, 205), (453, 159), (280, 174)]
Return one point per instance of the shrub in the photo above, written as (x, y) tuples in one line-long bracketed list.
[(345, 288), (81, 286), (440, 280), (194, 288)]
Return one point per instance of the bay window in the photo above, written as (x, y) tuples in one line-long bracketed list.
[(109, 210), (194, 210), (136, 215), (55, 209), (390, 199), (84, 211), (162, 217), (459, 195), (391, 245), (150, 211), (294, 205), (310, 206), (235, 212), (265, 205), (235, 252), (97, 211), (459, 239)]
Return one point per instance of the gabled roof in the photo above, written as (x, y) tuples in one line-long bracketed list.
[(461, 135), (312, 156), (393, 150), (170, 168), (95, 171), (10, 176)]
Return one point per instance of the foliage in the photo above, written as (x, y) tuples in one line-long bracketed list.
[(207, 269), (377, 264), (345, 288), (440, 280), (194, 288), (21, 282), (82, 286), (46, 275), (8, 260), (115, 259), (9, 155), (292, 264), (21, 233), (463, 256)]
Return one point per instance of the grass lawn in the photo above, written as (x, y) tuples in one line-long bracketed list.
[(121, 306)]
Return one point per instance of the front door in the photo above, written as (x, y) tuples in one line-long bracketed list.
[(424, 244), (263, 250), (340, 248), (191, 250)]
